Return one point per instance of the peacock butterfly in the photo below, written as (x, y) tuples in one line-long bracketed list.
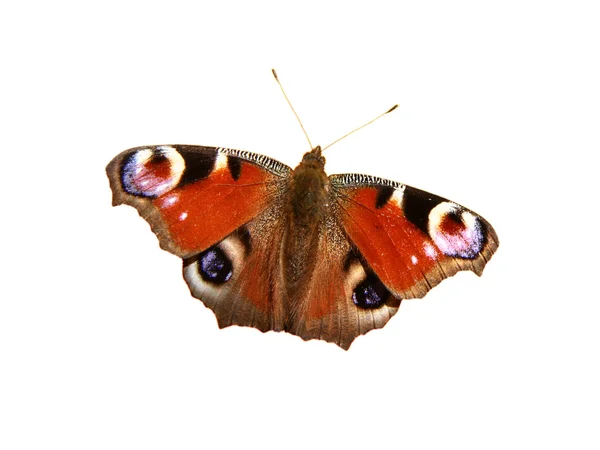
[(321, 257)]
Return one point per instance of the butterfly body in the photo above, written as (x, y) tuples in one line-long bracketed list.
[(306, 206), (322, 257)]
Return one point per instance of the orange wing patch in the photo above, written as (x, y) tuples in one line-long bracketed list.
[(396, 249), (202, 213)]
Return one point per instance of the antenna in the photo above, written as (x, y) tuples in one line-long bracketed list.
[(337, 140), (362, 126), (293, 110)]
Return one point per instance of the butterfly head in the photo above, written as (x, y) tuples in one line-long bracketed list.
[(314, 158)]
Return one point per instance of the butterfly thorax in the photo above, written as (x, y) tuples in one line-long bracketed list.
[(309, 186), (306, 206)]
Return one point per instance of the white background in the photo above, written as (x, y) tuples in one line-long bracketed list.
[(101, 345)]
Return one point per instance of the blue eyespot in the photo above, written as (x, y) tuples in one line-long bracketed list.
[(214, 266), (370, 294)]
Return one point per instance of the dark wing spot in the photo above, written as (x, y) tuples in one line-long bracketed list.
[(371, 293), (214, 266), (384, 193), (417, 205), (197, 165), (158, 157), (235, 167), (351, 258), (245, 238), (147, 178)]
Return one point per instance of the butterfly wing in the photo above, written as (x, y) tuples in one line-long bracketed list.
[(411, 239), (195, 196), (198, 201), (238, 277)]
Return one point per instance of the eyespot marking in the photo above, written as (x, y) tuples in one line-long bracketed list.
[(212, 270), (214, 266), (370, 293), (455, 231), (152, 172)]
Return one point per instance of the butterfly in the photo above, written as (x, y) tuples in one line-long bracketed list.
[(321, 257), (275, 248)]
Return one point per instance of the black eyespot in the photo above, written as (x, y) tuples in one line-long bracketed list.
[(214, 266), (370, 294)]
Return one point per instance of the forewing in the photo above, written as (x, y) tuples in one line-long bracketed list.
[(194, 196)]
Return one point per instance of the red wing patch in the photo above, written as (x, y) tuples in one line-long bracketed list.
[(201, 213)]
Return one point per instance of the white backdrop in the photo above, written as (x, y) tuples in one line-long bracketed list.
[(101, 344)]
